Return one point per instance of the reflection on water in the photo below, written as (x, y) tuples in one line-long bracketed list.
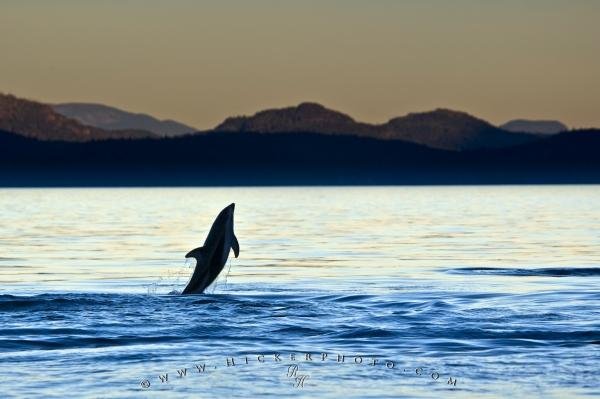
[(496, 286)]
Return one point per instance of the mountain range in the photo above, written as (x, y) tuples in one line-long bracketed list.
[(307, 116), (441, 128), (305, 144), (111, 118)]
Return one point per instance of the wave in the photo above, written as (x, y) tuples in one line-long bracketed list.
[(442, 322), (543, 272)]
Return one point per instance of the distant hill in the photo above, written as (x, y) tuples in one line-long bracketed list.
[(110, 118), (536, 127), (451, 130), (441, 129), (306, 117), (40, 121)]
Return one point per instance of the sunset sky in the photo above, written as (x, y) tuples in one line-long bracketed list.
[(201, 61)]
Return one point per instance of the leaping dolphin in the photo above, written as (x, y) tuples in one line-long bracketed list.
[(212, 256)]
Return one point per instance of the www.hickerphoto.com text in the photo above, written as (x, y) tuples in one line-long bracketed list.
[(290, 367)]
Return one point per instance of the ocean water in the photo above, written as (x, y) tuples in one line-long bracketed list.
[(365, 292)]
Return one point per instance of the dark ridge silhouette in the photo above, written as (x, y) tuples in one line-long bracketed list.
[(535, 127), (225, 158), (573, 148), (40, 121), (218, 148), (441, 129), (111, 118)]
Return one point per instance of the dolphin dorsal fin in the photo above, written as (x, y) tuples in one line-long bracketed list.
[(235, 246), (199, 252)]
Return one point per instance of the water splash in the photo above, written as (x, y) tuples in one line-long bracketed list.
[(171, 283)]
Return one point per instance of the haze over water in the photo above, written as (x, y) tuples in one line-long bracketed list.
[(496, 287)]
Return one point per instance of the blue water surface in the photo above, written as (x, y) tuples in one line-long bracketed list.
[(338, 292)]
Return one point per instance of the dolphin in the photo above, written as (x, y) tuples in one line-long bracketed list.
[(212, 256)]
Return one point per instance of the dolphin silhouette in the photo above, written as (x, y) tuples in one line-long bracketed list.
[(212, 256)]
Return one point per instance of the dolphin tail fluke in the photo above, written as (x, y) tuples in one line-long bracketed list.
[(236, 246)]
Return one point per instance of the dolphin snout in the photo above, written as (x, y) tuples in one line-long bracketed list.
[(230, 208)]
